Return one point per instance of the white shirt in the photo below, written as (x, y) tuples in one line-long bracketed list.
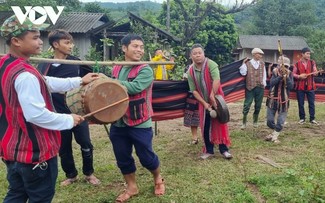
[(33, 105), (256, 65)]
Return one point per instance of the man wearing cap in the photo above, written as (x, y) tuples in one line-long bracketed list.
[(305, 85), (281, 83), (29, 133), (255, 73)]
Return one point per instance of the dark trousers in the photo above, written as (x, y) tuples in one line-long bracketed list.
[(208, 145), (82, 137), (278, 125), (124, 138), (36, 185), (311, 103), (255, 95)]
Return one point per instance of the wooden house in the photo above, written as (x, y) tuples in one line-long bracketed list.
[(291, 46)]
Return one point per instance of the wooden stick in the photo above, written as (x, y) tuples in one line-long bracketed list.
[(319, 71), (106, 107), (268, 161), (101, 63)]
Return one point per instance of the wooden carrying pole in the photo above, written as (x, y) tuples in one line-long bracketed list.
[(105, 107), (101, 63)]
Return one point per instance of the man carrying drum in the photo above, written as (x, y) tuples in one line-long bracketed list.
[(134, 128)]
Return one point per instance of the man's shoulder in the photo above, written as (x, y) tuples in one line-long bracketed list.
[(211, 62)]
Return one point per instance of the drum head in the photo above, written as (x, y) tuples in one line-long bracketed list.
[(106, 92), (222, 110)]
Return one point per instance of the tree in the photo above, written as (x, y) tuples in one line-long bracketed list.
[(215, 31), (192, 13), (218, 34), (317, 44), (283, 17)]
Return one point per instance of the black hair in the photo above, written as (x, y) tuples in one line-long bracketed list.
[(126, 40), (57, 35), (304, 50), (197, 46), (157, 49)]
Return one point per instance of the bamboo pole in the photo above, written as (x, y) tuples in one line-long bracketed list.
[(101, 63)]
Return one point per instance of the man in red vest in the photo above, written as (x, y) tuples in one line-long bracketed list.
[(30, 127), (134, 128), (304, 71), (204, 83)]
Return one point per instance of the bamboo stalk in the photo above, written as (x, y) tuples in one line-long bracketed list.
[(101, 63), (105, 107)]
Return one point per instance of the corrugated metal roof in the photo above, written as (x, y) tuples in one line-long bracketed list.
[(79, 22), (73, 22), (271, 42)]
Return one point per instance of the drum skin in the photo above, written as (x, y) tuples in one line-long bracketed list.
[(223, 115), (98, 94)]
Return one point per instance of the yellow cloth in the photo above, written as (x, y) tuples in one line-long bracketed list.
[(160, 71)]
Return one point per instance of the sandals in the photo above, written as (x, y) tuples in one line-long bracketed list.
[(125, 196), (69, 181), (160, 188), (195, 141), (92, 180)]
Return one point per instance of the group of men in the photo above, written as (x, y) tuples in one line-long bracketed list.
[(281, 82), (36, 125)]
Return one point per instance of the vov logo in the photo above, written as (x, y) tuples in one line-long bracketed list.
[(45, 11)]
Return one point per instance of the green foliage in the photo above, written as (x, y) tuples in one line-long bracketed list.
[(317, 42), (218, 35), (94, 55), (95, 7), (279, 17), (107, 42), (217, 32)]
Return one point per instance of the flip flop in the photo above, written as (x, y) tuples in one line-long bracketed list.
[(160, 188), (125, 196), (69, 181), (92, 180)]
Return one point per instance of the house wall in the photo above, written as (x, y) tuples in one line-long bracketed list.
[(270, 55)]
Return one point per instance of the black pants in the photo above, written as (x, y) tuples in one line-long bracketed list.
[(82, 137), (208, 145), (34, 185)]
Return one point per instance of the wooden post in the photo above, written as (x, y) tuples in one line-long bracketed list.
[(156, 128)]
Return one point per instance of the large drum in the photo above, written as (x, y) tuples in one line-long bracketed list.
[(96, 95)]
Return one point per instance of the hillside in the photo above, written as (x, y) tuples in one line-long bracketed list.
[(118, 10)]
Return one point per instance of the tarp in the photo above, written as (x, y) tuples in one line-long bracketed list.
[(168, 99)]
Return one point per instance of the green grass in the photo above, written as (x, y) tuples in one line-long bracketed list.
[(245, 178)]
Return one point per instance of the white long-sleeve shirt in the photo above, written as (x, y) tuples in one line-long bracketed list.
[(256, 65), (33, 104)]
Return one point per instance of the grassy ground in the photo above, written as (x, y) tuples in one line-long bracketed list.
[(246, 178)]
